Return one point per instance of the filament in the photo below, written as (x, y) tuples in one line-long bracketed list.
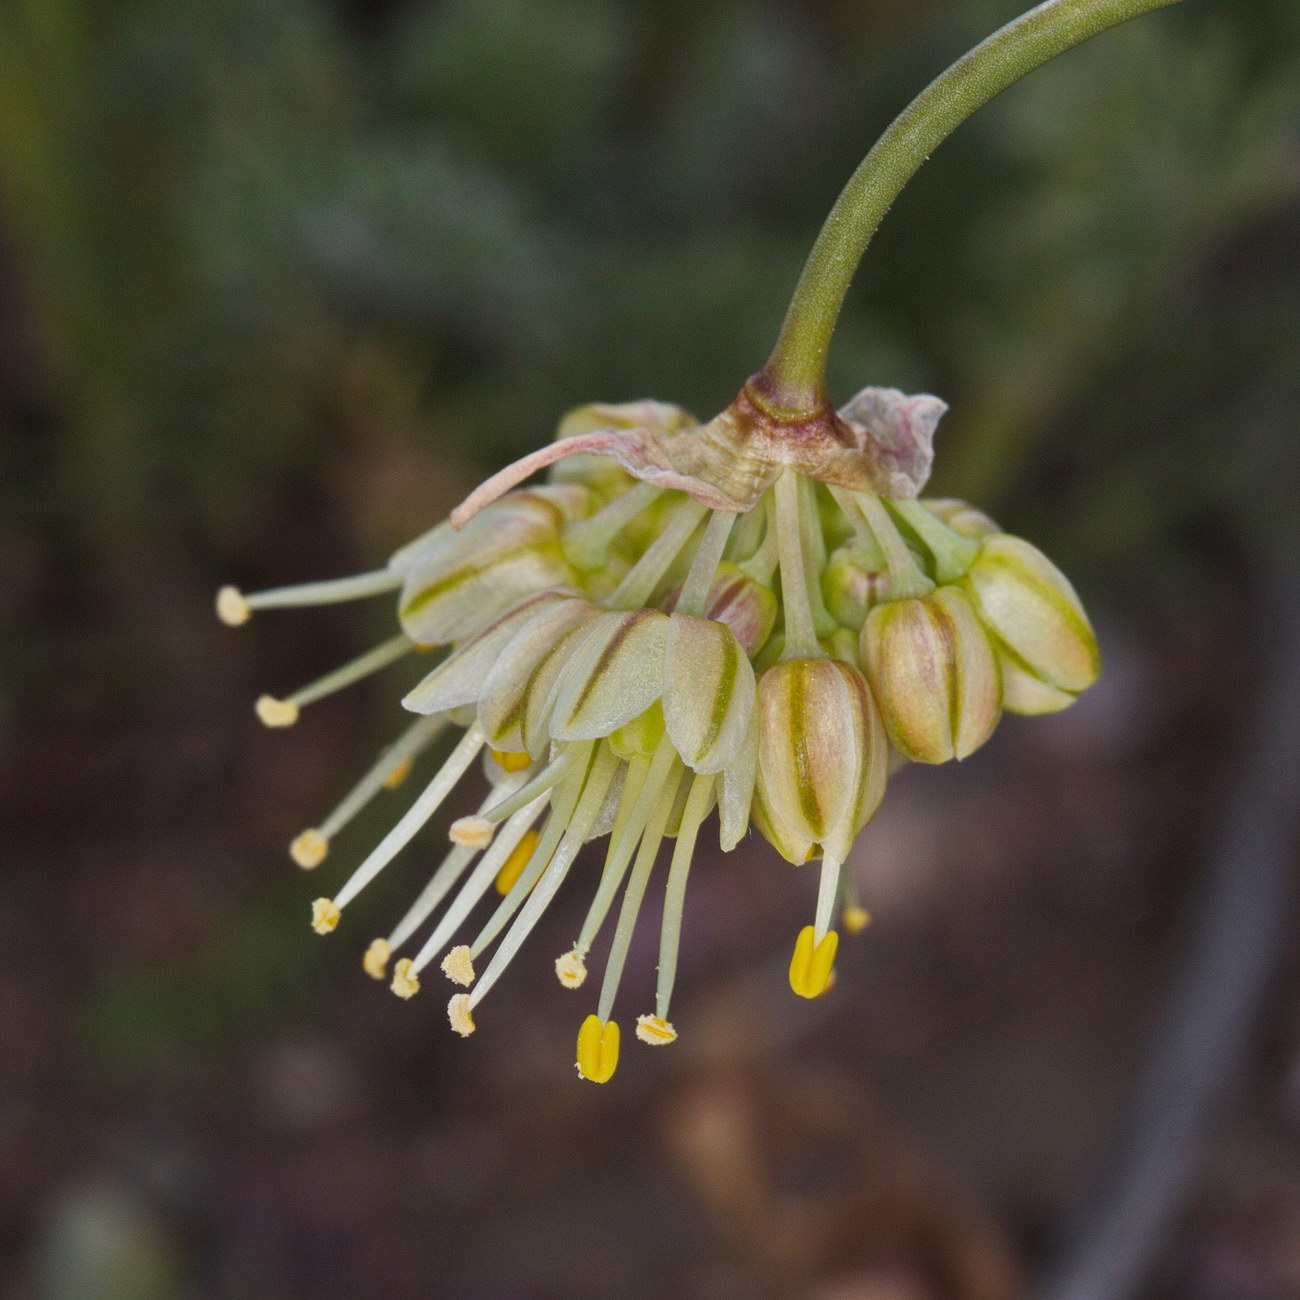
[(647, 573), (587, 541), (698, 803), (708, 555), (800, 634), (332, 592), (353, 671)]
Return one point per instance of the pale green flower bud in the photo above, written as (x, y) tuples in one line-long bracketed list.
[(708, 693), (1037, 622), (747, 607), (934, 674), (821, 757), (854, 580), (962, 517), (456, 583)]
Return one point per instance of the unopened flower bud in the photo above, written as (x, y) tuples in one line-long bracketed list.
[(1038, 624), (821, 757), (747, 607), (934, 674), (855, 579), (962, 517)]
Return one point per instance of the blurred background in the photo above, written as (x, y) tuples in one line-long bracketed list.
[(280, 280)]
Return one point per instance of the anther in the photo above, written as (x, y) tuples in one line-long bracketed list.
[(404, 984), (655, 1030), (514, 865), (571, 970), (459, 1015), (276, 713), (511, 762), (324, 915), (309, 849), (855, 919), (398, 774), (812, 963), (375, 962), (232, 608), (471, 832), (597, 1049), (458, 965)]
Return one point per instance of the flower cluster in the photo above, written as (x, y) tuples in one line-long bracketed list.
[(685, 616)]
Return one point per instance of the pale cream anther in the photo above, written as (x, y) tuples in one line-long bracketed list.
[(400, 772), (375, 962), (405, 984), (472, 832), (308, 850), (276, 713), (655, 1030), (232, 608), (459, 1014), (570, 969), (855, 919), (458, 965), (324, 915)]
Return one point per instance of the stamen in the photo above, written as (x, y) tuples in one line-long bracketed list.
[(655, 1030), (232, 609), (642, 790), (275, 713), (308, 850), (597, 1049), (812, 966), (540, 894), (514, 865), (549, 777), (405, 984), (458, 965), (332, 592), (324, 915), (698, 803), (571, 970), (586, 542), (699, 579), (375, 962), (471, 832), (632, 896), (458, 1013), (640, 581), (420, 811), (800, 633), (413, 741), (512, 836)]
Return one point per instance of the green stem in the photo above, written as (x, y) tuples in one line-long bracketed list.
[(792, 385)]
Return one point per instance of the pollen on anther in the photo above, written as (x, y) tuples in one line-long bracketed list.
[(458, 1013), (276, 713), (655, 1030), (405, 984), (398, 774), (472, 832), (232, 608), (511, 762), (570, 969), (855, 919), (375, 962), (458, 965), (308, 850), (324, 915)]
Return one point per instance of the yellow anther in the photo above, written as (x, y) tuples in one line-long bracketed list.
[(458, 965), (571, 970), (514, 865), (375, 962), (276, 713), (471, 832), (855, 919), (405, 984), (458, 1013), (398, 775), (511, 762), (597, 1049), (309, 849), (812, 963), (232, 608), (324, 915), (655, 1030)]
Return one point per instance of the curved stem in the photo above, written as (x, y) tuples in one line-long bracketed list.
[(791, 385)]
